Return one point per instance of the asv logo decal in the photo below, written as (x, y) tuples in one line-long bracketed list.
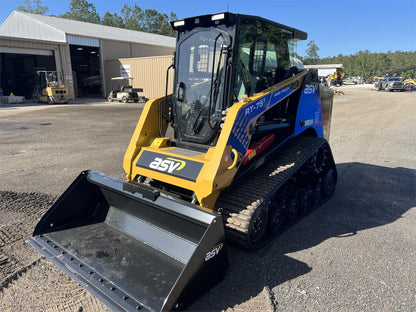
[(309, 89), (211, 254), (168, 164)]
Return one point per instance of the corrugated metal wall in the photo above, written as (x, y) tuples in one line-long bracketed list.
[(149, 73), (112, 50), (115, 50), (10, 42), (143, 50), (153, 86), (65, 67)]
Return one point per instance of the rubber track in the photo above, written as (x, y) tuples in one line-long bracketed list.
[(239, 202)]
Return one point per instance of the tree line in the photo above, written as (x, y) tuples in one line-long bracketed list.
[(363, 63), (130, 17)]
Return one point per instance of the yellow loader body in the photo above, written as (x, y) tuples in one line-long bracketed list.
[(206, 174)]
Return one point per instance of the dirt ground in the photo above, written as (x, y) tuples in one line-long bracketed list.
[(357, 252)]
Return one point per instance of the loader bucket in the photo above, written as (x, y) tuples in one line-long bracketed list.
[(132, 247)]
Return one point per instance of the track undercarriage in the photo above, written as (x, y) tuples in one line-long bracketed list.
[(281, 191)]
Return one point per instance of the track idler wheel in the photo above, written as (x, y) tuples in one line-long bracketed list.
[(257, 228), (329, 182), (307, 168), (293, 206), (319, 159), (305, 199), (276, 218), (317, 193)]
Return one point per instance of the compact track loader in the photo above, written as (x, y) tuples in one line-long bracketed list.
[(248, 156)]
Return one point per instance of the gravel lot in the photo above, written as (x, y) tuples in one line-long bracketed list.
[(357, 252)]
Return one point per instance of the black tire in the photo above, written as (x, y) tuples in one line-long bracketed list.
[(257, 228), (307, 168), (110, 98), (276, 218), (329, 182), (319, 159), (293, 207), (305, 199), (35, 98), (317, 193), (124, 99)]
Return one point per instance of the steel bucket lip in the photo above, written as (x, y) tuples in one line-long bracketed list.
[(114, 297), (95, 186)]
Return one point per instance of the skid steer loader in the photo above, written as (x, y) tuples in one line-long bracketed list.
[(248, 156)]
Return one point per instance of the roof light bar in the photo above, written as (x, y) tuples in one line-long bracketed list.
[(179, 23), (218, 17)]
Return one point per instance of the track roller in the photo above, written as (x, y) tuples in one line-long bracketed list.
[(257, 227), (305, 199), (276, 218), (293, 181)]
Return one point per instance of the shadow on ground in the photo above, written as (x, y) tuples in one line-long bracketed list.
[(77, 101), (367, 196)]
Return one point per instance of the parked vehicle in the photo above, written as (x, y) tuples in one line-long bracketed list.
[(123, 91), (391, 84)]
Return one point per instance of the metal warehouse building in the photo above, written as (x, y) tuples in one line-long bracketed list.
[(77, 50)]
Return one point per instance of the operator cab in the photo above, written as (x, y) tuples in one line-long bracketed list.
[(220, 58)]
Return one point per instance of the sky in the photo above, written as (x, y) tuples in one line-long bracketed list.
[(337, 27)]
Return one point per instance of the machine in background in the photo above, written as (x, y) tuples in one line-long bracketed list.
[(123, 91), (49, 88)]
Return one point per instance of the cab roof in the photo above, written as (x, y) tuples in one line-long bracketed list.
[(229, 19)]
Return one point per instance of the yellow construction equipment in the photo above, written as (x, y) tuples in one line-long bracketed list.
[(49, 88), (337, 77), (248, 153), (409, 84)]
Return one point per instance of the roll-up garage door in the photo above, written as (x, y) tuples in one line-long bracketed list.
[(17, 68), (26, 51)]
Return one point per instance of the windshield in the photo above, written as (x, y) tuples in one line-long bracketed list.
[(200, 84)]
